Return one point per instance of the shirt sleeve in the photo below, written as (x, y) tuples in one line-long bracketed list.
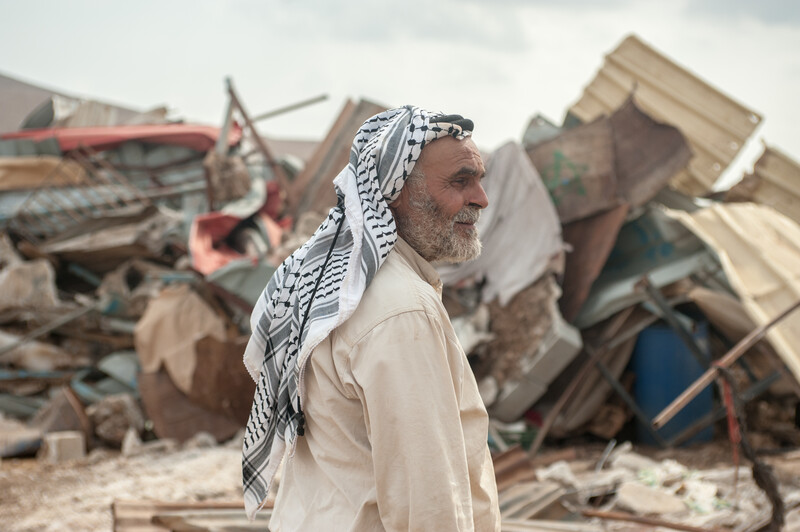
[(408, 375)]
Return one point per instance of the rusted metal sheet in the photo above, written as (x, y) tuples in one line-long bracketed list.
[(775, 182), (759, 249), (313, 187), (652, 244), (715, 125), (625, 158), (646, 153), (577, 167), (592, 240)]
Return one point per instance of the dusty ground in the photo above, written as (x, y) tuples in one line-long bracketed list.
[(77, 496)]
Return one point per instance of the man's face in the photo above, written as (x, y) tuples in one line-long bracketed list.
[(440, 203)]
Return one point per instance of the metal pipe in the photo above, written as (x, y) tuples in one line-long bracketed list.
[(291, 107)]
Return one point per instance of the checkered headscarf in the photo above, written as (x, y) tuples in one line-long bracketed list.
[(320, 285)]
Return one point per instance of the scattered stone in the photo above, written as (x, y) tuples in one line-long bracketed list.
[(643, 500), (237, 441), (113, 416), (559, 472), (131, 443), (63, 446), (624, 457), (98, 455), (201, 440)]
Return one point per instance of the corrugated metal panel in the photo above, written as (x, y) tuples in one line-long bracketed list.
[(775, 182), (715, 125), (759, 249)]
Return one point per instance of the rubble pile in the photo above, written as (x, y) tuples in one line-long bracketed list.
[(613, 280)]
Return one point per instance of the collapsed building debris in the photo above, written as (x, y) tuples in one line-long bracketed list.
[(135, 249)]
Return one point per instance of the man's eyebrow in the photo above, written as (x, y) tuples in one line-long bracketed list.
[(469, 171)]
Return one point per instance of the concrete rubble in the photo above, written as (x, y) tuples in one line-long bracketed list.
[(133, 248)]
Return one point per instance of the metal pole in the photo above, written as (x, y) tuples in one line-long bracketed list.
[(292, 107), (706, 378)]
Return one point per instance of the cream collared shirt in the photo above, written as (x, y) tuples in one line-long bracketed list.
[(396, 431)]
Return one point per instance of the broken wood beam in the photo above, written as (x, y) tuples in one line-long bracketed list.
[(613, 327), (277, 169), (44, 329), (291, 107), (652, 521), (729, 358)]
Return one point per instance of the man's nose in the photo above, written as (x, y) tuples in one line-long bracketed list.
[(478, 197)]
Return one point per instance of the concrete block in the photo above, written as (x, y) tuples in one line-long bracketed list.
[(644, 500), (63, 446)]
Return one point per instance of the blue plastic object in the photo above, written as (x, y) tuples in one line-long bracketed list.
[(664, 368)]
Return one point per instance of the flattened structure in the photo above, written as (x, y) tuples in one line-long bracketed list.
[(759, 249), (715, 125), (775, 182)]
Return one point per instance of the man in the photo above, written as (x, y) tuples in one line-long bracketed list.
[(361, 380)]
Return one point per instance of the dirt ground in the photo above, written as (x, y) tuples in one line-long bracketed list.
[(77, 495)]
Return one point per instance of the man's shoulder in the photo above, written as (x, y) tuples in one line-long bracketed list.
[(395, 289)]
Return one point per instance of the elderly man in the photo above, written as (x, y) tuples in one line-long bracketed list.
[(361, 381)]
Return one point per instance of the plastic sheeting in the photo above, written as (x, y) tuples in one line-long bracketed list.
[(167, 332)]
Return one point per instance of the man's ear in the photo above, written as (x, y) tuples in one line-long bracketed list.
[(400, 204)]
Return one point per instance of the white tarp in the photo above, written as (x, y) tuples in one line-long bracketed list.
[(519, 229)]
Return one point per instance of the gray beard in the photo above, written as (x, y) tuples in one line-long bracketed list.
[(429, 231)]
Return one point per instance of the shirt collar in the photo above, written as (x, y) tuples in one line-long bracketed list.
[(422, 267)]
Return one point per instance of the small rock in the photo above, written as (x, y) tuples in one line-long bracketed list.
[(98, 455), (131, 443), (201, 440), (160, 446), (643, 500), (631, 461), (114, 415), (237, 441), (63, 446), (559, 472)]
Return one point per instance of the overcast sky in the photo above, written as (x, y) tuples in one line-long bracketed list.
[(496, 62)]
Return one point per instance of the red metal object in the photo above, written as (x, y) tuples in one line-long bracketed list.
[(197, 137)]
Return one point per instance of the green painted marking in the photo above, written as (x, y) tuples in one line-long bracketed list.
[(564, 177)]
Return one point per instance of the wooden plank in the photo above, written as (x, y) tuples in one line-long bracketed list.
[(213, 520), (526, 500), (137, 515)]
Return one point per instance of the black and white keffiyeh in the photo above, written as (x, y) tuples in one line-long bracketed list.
[(320, 285)]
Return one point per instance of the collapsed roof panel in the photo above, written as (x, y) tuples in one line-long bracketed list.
[(715, 125), (775, 182), (759, 249), (625, 157)]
